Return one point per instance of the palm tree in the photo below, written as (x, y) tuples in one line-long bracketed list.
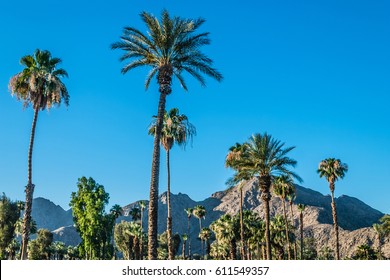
[(189, 212), (333, 169), (283, 186), (225, 229), (135, 214), (266, 158), (170, 47), (38, 85), (142, 206), (205, 235), (233, 159), (291, 197), (116, 211), (184, 238), (176, 129), (199, 212), (301, 208)]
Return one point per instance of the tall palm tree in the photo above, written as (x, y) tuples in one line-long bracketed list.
[(189, 212), (135, 214), (333, 169), (170, 47), (116, 211), (200, 213), (266, 158), (38, 85), (176, 129), (233, 159), (283, 186), (301, 208), (184, 238), (291, 197)]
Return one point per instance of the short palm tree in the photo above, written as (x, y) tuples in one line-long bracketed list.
[(189, 212), (205, 235), (200, 213), (184, 238), (301, 208), (333, 169), (176, 129), (283, 186), (379, 230), (38, 85), (170, 48), (225, 229), (266, 158), (135, 214)]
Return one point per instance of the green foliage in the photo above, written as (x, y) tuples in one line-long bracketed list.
[(9, 215), (127, 236), (41, 248), (162, 250), (365, 252), (309, 249), (91, 221), (332, 169), (326, 254)]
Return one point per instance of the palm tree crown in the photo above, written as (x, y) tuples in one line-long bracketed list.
[(39, 83), (170, 47), (332, 169)]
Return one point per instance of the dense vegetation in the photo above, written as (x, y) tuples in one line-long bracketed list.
[(170, 47)]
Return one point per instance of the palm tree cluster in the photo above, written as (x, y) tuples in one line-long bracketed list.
[(170, 48)]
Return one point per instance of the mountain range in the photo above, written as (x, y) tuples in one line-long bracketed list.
[(354, 216)]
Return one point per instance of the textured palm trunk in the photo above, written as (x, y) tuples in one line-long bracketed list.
[(286, 225), (164, 80), (169, 218), (265, 184), (200, 230), (233, 249), (242, 225), (29, 192), (335, 224), (379, 247), (183, 250), (293, 224), (301, 229)]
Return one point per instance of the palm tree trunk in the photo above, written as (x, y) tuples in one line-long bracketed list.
[(153, 201), (286, 224), (242, 225), (293, 224), (169, 218), (265, 184), (379, 247), (301, 229), (200, 230), (189, 238), (336, 227), (183, 250), (29, 192)]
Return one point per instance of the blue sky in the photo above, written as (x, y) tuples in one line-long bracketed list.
[(314, 74)]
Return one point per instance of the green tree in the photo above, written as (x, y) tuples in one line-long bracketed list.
[(283, 186), (184, 238), (9, 215), (380, 232), (233, 160), (175, 129), (135, 214), (200, 213), (266, 158), (170, 47), (189, 212), (301, 209), (38, 85), (333, 169), (205, 235), (226, 229), (91, 221), (364, 252), (41, 247)]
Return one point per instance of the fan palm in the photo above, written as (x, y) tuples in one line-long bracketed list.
[(333, 169), (38, 85), (176, 129), (225, 229), (170, 48), (200, 213), (283, 186), (301, 208), (205, 235), (266, 158), (135, 214), (379, 230), (189, 212)]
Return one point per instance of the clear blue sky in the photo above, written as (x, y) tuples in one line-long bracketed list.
[(314, 74)]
